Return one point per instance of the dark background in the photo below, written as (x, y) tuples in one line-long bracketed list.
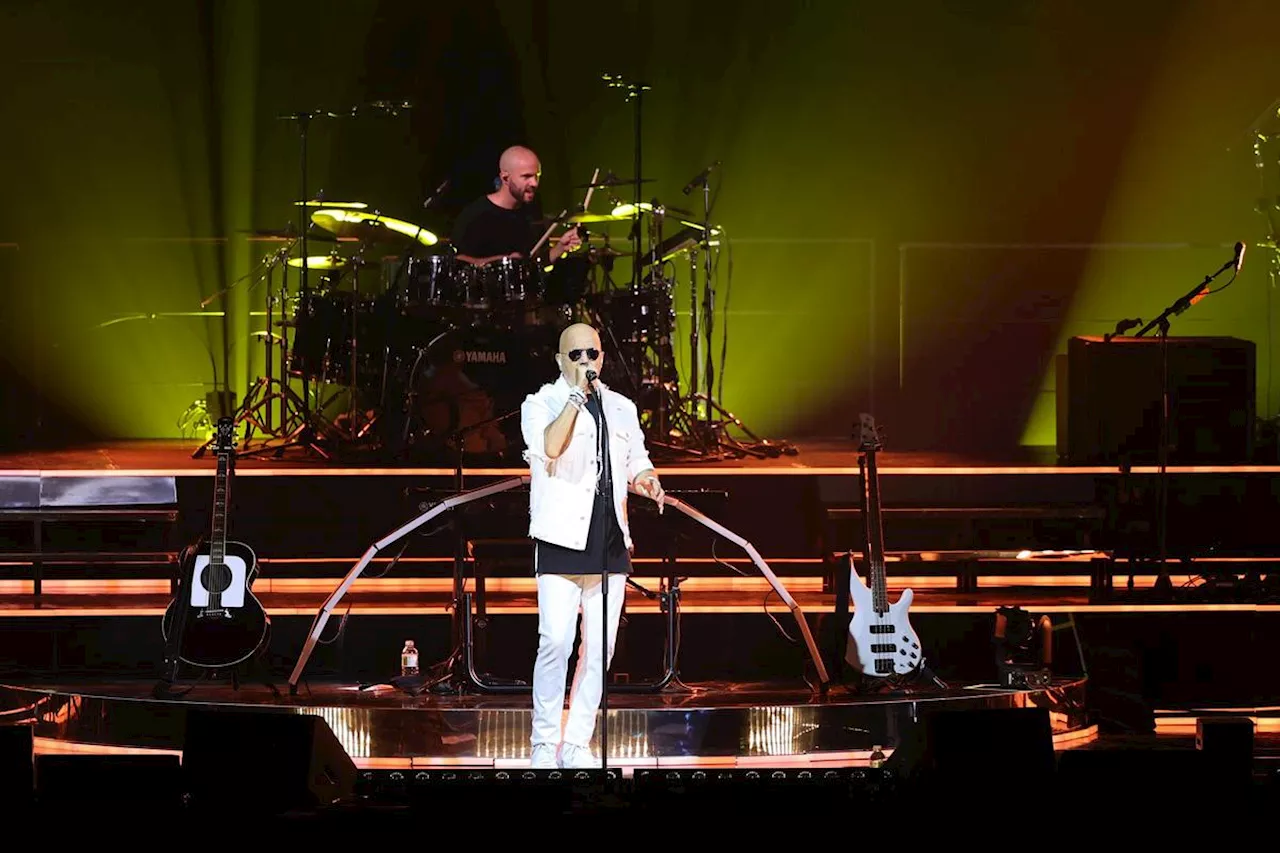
[(923, 201)]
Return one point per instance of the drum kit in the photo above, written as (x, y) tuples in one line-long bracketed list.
[(429, 360), (405, 352)]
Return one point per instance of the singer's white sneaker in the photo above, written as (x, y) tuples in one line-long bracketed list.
[(544, 757), (573, 757)]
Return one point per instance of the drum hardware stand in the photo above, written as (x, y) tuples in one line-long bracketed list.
[(305, 435), (267, 389), (354, 431), (709, 432)]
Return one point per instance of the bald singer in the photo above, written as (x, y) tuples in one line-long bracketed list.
[(503, 224), (578, 521)]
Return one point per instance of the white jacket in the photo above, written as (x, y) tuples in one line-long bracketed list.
[(561, 490)]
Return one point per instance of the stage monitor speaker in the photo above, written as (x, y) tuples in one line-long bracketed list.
[(74, 783), (1227, 743), (263, 761), (1119, 772), (968, 751), (1109, 400), (17, 752)]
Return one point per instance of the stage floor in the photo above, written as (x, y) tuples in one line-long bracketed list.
[(718, 723), (174, 457)]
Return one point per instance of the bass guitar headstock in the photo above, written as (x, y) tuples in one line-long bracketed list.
[(869, 439)]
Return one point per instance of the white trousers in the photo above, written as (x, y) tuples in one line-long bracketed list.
[(559, 599)]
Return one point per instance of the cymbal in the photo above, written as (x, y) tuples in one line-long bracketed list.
[(373, 227), (611, 181), (319, 262), (587, 218), (319, 202), (627, 209)]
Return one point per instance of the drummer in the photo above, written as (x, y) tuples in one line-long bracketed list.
[(503, 223)]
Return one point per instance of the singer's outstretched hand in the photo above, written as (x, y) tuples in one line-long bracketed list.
[(648, 485)]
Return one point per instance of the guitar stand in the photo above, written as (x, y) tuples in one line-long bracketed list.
[(900, 685), (166, 688)]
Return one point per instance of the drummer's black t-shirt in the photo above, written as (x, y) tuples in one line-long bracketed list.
[(483, 230)]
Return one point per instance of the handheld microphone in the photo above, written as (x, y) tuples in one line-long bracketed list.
[(1239, 255), (592, 376)]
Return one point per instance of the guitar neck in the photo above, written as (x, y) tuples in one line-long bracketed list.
[(874, 532), (218, 534)]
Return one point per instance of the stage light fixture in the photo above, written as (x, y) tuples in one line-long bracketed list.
[(1023, 648)]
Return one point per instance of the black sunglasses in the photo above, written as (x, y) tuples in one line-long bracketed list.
[(592, 354)]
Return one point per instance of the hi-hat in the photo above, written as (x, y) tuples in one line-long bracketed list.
[(320, 202), (319, 262), (372, 227)]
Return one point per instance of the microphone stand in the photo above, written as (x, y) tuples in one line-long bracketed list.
[(606, 490), (1163, 583)]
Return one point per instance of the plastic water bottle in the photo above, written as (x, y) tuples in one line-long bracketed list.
[(877, 756), (409, 659)]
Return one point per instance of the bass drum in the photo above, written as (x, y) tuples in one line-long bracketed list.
[(467, 384)]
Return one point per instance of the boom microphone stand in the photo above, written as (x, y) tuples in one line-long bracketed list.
[(1163, 583)]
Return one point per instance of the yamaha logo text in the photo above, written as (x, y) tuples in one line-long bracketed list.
[(479, 357)]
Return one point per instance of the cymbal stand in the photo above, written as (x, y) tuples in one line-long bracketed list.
[(295, 427), (663, 342), (710, 419), (669, 416), (698, 439), (634, 92), (306, 434)]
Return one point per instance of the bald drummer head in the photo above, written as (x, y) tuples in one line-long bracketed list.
[(518, 173)]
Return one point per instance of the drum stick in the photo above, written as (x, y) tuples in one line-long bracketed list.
[(547, 233), (564, 213), (586, 203)]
